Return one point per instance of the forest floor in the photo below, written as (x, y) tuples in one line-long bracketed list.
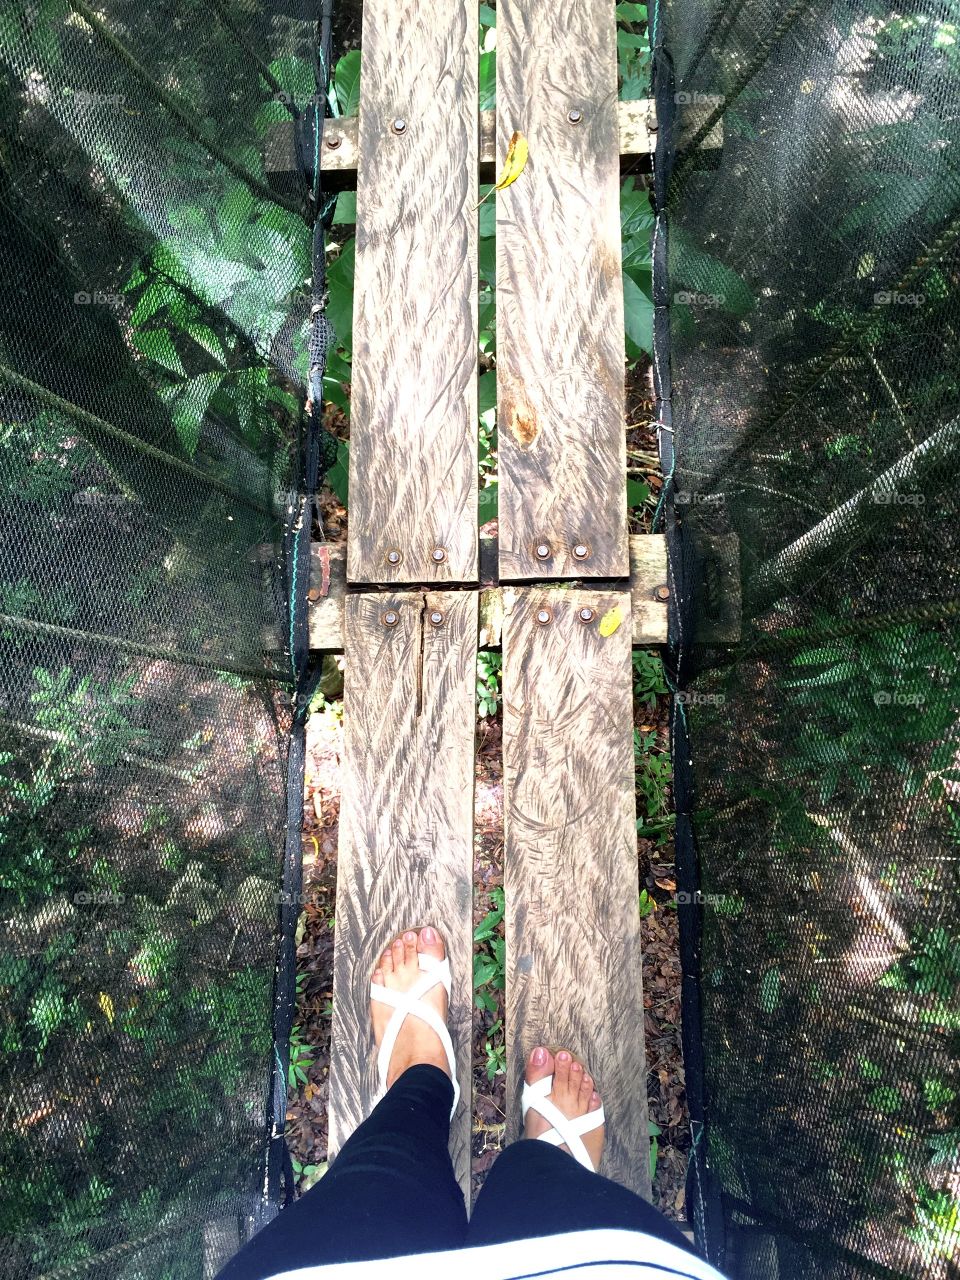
[(307, 1101)]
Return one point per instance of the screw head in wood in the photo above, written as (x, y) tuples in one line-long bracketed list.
[(436, 618), (390, 618), (398, 125), (438, 555), (542, 551), (662, 593), (575, 115), (581, 551), (333, 141), (394, 556), (544, 617), (586, 614)]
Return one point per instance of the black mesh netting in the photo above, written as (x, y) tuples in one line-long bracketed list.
[(153, 360), (809, 308)]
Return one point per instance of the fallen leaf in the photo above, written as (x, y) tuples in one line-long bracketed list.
[(106, 1004), (611, 621), (513, 165)]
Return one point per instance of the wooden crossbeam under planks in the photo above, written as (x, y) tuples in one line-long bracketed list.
[(418, 592)]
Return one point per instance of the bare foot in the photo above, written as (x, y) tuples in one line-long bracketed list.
[(398, 970), (573, 1091)]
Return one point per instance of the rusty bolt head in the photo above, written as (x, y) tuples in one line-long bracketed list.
[(394, 556), (581, 551), (542, 551), (438, 555), (436, 618), (333, 141), (544, 616), (586, 614), (390, 618), (574, 115), (398, 125), (662, 593)]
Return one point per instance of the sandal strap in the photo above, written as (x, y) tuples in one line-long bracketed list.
[(564, 1130), (411, 1002)]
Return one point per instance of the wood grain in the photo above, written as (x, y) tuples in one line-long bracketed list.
[(570, 858), (559, 293), (648, 571), (406, 825), (413, 435)]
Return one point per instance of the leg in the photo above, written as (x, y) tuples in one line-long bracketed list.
[(391, 1191), (535, 1189)]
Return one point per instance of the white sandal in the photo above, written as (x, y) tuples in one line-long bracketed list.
[(404, 1003), (564, 1129)]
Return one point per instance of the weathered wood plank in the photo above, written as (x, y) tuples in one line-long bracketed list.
[(648, 573), (637, 123), (560, 346), (413, 435), (406, 824), (570, 857)]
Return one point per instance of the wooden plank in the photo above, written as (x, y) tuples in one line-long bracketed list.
[(570, 857), (413, 435), (560, 346), (648, 574), (406, 825), (637, 124)]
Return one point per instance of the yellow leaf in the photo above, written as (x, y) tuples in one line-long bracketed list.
[(106, 1004), (513, 165), (611, 620)]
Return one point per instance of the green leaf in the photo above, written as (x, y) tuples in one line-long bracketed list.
[(346, 210), (630, 12), (190, 406), (638, 491), (488, 16), (340, 286), (770, 990), (694, 270), (638, 319), (346, 82), (488, 503), (488, 80), (487, 391), (157, 346), (296, 78)]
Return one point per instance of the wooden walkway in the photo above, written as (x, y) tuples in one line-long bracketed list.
[(418, 592)]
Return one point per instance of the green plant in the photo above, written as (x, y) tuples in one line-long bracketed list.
[(489, 666), (299, 1062), (654, 773), (647, 904), (490, 957), (648, 677), (495, 1048)]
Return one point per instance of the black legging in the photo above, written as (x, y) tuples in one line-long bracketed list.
[(391, 1191)]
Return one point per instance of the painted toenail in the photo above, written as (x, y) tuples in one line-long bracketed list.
[(429, 936), (409, 936), (563, 1056), (539, 1057), (577, 1067), (596, 1097)]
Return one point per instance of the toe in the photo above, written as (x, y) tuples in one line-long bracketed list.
[(397, 950), (561, 1074), (594, 1101), (539, 1064), (377, 978), (410, 949), (430, 943), (386, 962), (586, 1090)]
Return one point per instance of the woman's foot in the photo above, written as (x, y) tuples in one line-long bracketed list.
[(398, 970), (574, 1092)]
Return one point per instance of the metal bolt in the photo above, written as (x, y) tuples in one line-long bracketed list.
[(544, 616), (662, 593), (581, 551), (390, 618), (439, 555), (436, 618), (333, 141), (586, 614), (399, 125), (542, 551), (394, 556), (574, 115)]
